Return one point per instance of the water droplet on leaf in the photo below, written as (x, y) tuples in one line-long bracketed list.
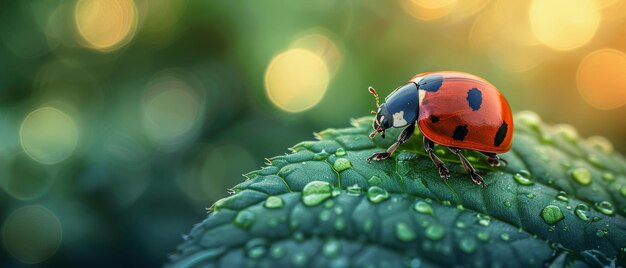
[(404, 232), (581, 176), (605, 207), (374, 181), (482, 236), (244, 219), (332, 248), (467, 245), (505, 236), (274, 202), (316, 192), (562, 196), (435, 232), (581, 212), (423, 207), (551, 214), (483, 220), (376, 194), (523, 177), (342, 164)]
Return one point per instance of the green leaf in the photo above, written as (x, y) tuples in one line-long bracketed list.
[(561, 200)]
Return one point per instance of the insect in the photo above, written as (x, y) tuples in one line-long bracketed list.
[(453, 109)]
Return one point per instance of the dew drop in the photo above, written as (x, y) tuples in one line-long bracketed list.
[(354, 189), (374, 181), (505, 236), (338, 210), (329, 203), (376, 194), (601, 143), (316, 192), (404, 232), (277, 251), (581, 212), (340, 152), (507, 203), (530, 119), (607, 176), (601, 233), (423, 207), (342, 164), (324, 215), (460, 225), (440, 151), (299, 259), (594, 160), (435, 232), (623, 191), (482, 236), (566, 163), (568, 132), (321, 155), (472, 159), (274, 202), (523, 177), (581, 175), (340, 224), (551, 214), (332, 248), (244, 219), (605, 207), (483, 220), (467, 245), (530, 195), (562, 196), (255, 248)]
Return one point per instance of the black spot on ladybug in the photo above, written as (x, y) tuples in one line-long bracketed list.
[(474, 98), (431, 82), (460, 132), (434, 119), (501, 134)]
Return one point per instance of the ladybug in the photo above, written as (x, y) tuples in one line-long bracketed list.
[(453, 109)]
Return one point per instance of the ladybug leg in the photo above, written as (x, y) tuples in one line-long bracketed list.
[(468, 167), (494, 160), (403, 137), (443, 170)]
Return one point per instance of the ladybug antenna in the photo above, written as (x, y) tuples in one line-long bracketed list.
[(373, 91)]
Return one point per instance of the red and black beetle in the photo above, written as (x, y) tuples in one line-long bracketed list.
[(453, 109)]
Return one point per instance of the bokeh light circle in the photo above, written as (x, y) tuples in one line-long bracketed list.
[(428, 9), (105, 25), (25, 179), (172, 107), (601, 79), (564, 24), (48, 135), (32, 234), (320, 44), (296, 80)]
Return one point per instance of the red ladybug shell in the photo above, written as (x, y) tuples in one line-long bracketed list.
[(464, 111)]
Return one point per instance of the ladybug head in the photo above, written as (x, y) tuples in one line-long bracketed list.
[(383, 119), (399, 110)]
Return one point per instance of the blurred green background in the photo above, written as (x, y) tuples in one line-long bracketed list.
[(121, 120)]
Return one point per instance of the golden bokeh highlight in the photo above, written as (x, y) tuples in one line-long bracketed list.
[(171, 108), (428, 9), (467, 8), (48, 135), (564, 24), (601, 79), (511, 21), (506, 51), (296, 80), (32, 234), (105, 25), (323, 46)]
